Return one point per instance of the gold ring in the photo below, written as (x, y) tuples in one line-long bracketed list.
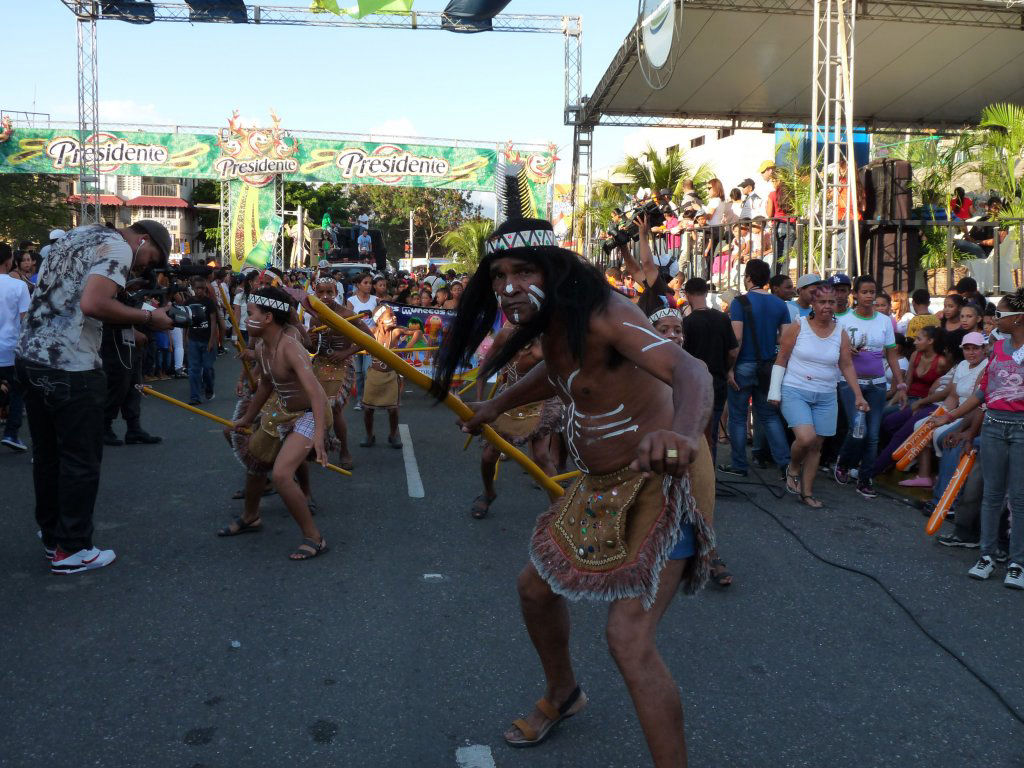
[(672, 453)]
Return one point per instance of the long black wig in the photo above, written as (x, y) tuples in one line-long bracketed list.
[(574, 291)]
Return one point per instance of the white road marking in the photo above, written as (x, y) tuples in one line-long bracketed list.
[(412, 470), (474, 756)]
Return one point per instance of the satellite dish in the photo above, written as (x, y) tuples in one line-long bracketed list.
[(659, 23)]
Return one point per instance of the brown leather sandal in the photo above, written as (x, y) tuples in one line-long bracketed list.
[(531, 737)]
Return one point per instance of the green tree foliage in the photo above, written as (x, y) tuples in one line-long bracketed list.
[(208, 191), (1002, 155), (318, 199), (435, 213), (466, 244), (30, 206), (654, 171)]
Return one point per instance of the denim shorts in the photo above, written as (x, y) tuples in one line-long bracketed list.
[(687, 544), (801, 407)]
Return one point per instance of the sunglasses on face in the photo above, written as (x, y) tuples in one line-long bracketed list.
[(1000, 314)]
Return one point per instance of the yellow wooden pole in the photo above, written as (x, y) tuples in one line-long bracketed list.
[(230, 312), (566, 476), (214, 417), (421, 380)]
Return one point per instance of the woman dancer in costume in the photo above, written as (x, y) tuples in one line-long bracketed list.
[(628, 531), (300, 420), (332, 363), (383, 388), (669, 323), (530, 425)]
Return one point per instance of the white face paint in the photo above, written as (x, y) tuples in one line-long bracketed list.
[(509, 289), (515, 317), (537, 291), (534, 301)]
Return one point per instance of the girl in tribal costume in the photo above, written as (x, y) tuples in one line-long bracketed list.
[(531, 424), (383, 387), (332, 363)]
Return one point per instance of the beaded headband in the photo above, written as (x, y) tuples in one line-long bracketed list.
[(265, 301), (663, 313), (322, 280), (379, 311), (526, 238)]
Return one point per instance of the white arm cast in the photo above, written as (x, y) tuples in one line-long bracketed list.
[(775, 390)]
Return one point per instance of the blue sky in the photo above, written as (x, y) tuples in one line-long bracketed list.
[(492, 86)]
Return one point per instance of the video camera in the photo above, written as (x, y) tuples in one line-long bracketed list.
[(645, 204), (182, 315)]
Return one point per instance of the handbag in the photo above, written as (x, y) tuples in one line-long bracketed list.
[(764, 366)]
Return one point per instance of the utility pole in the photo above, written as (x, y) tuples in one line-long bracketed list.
[(412, 250)]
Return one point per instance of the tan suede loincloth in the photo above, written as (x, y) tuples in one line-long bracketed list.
[(383, 389), (609, 536)]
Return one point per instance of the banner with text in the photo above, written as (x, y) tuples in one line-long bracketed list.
[(256, 157)]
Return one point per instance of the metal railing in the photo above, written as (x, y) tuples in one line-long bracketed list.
[(161, 190), (717, 253)]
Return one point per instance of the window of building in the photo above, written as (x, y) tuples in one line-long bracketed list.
[(696, 142), (724, 133), (673, 148)]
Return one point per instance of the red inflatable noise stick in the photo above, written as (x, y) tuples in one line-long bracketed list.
[(956, 482)]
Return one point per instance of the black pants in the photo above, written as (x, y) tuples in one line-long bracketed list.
[(65, 419), (123, 366)]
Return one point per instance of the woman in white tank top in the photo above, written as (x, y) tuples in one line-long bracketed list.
[(362, 301), (813, 352)]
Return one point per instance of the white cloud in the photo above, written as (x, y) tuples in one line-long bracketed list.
[(400, 127)]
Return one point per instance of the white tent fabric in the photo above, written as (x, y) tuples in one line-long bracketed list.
[(754, 66)]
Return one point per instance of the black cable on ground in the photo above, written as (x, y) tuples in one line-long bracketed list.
[(850, 569)]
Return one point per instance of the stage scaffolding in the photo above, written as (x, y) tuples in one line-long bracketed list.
[(89, 12)]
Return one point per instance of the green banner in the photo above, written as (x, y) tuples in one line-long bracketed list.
[(253, 155), (252, 217)]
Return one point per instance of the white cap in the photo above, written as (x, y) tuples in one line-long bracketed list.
[(57, 234)]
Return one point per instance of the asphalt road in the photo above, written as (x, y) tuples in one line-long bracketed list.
[(403, 645)]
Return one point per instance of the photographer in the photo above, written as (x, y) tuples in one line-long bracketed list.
[(60, 372)]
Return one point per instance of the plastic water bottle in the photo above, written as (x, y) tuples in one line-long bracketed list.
[(858, 429)]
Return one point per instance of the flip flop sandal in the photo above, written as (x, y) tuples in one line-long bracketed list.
[(368, 442), (346, 463), (532, 737), (308, 549), (793, 483), (480, 512), (720, 572), (394, 442), (241, 527), (239, 494), (809, 501)]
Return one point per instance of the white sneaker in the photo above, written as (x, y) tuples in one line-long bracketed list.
[(982, 569), (83, 560), (1014, 576)]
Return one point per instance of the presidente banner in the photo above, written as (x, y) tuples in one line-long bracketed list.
[(254, 155)]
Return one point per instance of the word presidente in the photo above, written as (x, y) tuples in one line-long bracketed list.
[(355, 162)]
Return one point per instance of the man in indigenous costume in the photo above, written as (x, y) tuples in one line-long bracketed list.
[(628, 531), (295, 427), (531, 424), (332, 362)]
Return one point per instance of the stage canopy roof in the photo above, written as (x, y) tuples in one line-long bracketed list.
[(919, 64)]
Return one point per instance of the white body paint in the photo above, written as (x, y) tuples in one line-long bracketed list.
[(509, 289), (587, 428), (658, 340)]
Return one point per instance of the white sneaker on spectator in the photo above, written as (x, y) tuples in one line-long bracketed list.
[(1014, 576), (82, 560), (982, 569)]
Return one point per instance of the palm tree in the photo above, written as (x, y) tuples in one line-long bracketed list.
[(653, 171), (1002, 155), (466, 244)]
